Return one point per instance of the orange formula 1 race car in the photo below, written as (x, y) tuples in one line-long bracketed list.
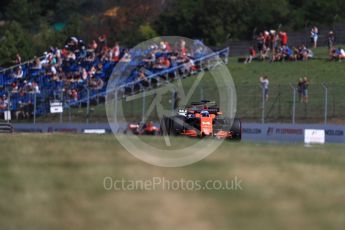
[(142, 129), (202, 119)]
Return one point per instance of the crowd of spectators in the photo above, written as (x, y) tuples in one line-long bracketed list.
[(163, 55), (68, 70), (273, 45), (80, 67)]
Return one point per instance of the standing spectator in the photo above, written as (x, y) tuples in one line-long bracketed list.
[(266, 39), (264, 84), (252, 54), (260, 43), (283, 38), (274, 43), (305, 90), (17, 60), (314, 36), (331, 40), (102, 42), (116, 52), (300, 89)]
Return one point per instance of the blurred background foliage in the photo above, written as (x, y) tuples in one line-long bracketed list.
[(30, 27)]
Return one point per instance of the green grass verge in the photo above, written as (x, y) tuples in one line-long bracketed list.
[(55, 181)]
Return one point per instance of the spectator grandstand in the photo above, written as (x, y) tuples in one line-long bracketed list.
[(79, 72)]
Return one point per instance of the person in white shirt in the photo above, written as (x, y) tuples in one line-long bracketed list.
[(18, 74), (314, 35), (264, 84)]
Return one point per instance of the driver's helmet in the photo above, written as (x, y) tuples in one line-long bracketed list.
[(205, 113)]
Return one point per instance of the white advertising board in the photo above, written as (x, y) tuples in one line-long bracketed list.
[(314, 136)]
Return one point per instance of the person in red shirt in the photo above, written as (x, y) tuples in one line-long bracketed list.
[(283, 38), (166, 62), (252, 54)]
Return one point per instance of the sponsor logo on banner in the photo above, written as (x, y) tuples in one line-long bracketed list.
[(270, 131), (334, 132), (284, 131)]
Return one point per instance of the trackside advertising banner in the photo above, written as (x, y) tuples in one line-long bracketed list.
[(250, 131), (290, 132)]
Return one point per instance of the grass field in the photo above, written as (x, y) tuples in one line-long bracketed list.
[(55, 181)]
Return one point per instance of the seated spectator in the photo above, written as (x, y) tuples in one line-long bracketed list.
[(72, 43), (90, 57), (150, 60), (47, 58), (15, 87), (73, 94), (162, 63), (37, 64), (106, 54), (305, 53), (339, 54), (287, 53), (96, 84), (18, 73), (20, 113), (167, 46), (93, 46), (183, 49), (143, 80), (162, 46), (71, 56), (252, 54), (126, 56), (278, 54), (82, 53), (190, 66), (3, 102)]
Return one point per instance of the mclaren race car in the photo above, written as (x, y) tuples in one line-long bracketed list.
[(142, 129), (202, 119)]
